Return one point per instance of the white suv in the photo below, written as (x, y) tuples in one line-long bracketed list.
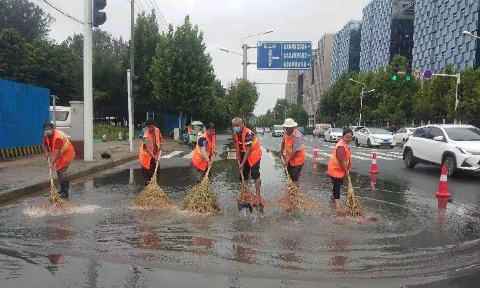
[(455, 146)]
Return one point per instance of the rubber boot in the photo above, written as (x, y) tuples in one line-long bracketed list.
[(64, 185)]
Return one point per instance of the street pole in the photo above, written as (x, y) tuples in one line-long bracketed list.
[(130, 114), (361, 106), (87, 83), (245, 61), (54, 111), (455, 120)]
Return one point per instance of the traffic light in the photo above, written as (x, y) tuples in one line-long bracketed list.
[(394, 72), (98, 17), (408, 74), (135, 87), (460, 91)]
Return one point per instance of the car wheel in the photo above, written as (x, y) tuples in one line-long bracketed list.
[(408, 159), (356, 143), (451, 165), (369, 144)]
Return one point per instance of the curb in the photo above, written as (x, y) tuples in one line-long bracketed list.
[(17, 193)]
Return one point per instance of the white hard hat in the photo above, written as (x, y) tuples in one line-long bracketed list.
[(289, 123)]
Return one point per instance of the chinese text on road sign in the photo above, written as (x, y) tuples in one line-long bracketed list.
[(284, 55)]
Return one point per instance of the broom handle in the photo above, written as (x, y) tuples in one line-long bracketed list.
[(286, 171), (158, 162), (241, 172), (50, 170)]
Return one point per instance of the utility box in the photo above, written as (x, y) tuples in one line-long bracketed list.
[(76, 130), (176, 134)]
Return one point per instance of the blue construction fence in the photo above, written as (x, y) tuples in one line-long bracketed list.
[(167, 122), (23, 110)]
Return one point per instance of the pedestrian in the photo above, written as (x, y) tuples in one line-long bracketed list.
[(248, 153), (59, 151), (150, 150), (204, 151), (294, 145), (339, 164)]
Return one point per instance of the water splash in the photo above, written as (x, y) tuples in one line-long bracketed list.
[(43, 211)]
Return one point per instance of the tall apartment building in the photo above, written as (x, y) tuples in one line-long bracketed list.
[(323, 64), (438, 37), (387, 30), (346, 49), (291, 88)]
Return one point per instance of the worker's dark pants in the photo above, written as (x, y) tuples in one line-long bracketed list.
[(63, 178), (148, 173)]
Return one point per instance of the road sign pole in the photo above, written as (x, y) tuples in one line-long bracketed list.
[(245, 61), (130, 114), (87, 83), (456, 98)]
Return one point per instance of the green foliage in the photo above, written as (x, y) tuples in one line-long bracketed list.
[(111, 131), (241, 98), (28, 19)]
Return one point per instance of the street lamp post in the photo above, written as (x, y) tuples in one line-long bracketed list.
[(361, 98), (245, 48)]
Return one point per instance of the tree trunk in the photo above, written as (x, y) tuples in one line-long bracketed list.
[(180, 120)]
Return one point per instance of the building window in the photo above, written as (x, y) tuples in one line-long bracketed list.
[(460, 48), (463, 10), (454, 14)]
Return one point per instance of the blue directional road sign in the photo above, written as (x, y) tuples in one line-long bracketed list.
[(284, 55)]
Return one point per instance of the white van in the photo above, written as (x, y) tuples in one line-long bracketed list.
[(277, 130), (62, 117)]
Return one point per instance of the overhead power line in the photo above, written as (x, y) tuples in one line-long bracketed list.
[(63, 13)]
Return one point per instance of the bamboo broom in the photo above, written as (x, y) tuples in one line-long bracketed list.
[(201, 197), (246, 198), (152, 195), (293, 199), (352, 206)]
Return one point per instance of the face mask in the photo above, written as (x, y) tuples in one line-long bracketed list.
[(237, 129), (48, 132)]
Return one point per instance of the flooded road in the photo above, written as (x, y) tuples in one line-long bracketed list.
[(113, 245)]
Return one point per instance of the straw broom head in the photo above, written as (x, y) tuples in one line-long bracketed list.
[(201, 198), (352, 206)]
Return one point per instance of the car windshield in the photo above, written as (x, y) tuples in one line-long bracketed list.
[(463, 134), (338, 130), (412, 130), (378, 131), (277, 127)]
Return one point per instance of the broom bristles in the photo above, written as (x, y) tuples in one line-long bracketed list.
[(55, 203), (293, 200), (352, 206), (153, 196), (201, 199)]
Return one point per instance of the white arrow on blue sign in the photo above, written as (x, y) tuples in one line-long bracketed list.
[(286, 55)]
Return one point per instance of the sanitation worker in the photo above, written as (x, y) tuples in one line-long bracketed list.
[(248, 153), (339, 164), (59, 151), (293, 144), (150, 150), (204, 151)]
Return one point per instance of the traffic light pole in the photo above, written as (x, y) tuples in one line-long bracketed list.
[(87, 84), (455, 120), (131, 114)]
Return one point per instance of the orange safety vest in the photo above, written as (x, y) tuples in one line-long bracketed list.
[(144, 156), (256, 154), (67, 153), (197, 159), (334, 168), (299, 158)]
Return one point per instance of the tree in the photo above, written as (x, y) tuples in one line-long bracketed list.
[(182, 72), (298, 113), (242, 96), (28, 19), (20, 67)]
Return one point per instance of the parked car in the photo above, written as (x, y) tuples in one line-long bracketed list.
[(259, 130), (333, 134), (267, 130), (302, 130), (374, 137), (402, 135), (455, 146), (320, 129), (277, 131), (63, 118)]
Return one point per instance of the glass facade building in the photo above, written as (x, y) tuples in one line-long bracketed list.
[(438, 37), (346, 49)]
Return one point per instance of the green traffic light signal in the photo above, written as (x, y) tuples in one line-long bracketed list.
[(394, 78), (408, 78)]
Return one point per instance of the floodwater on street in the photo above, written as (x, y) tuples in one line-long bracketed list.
[(113, 245)]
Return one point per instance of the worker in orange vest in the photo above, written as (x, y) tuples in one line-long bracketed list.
[(294, 145), (150, 150), (248, 152), (339, 164), (60, 153), (204, 151)]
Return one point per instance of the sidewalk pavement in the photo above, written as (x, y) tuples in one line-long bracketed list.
[(24, 175)]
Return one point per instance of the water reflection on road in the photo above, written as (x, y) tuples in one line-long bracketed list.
[(116, 246)]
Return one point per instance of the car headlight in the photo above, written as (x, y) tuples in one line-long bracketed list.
[(468, 151)]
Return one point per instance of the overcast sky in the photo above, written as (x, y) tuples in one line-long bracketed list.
[(224, 23)]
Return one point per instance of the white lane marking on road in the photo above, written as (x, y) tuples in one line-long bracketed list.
[(389, 155), (359, 157), (311, 156), (378, 156), (189, 155), (174, 153)]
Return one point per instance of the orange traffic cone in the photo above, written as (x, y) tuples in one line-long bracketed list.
[(373, 168), (443, 185), (315, 152)]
